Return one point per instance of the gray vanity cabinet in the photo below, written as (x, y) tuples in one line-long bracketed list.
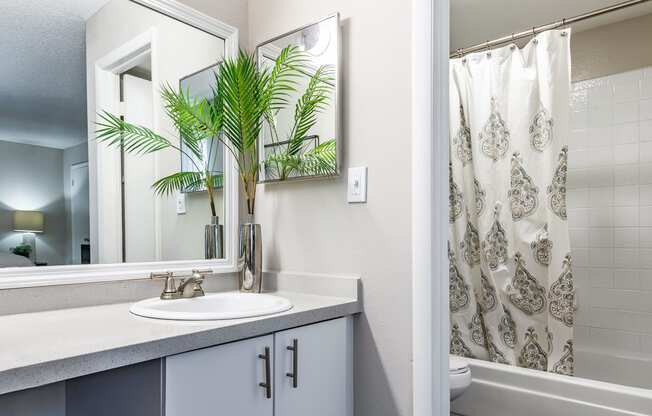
[(222, 381), (263, 377), (314, 370)]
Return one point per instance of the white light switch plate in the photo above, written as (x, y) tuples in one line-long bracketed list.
[(357, 189), (181, 203)]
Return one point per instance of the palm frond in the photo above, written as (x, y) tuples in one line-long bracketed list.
[(314, 100), (279, 83), (322, 160), (178, 182), (135, 139)]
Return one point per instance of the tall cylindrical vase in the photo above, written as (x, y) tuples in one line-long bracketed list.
[(214, 240), (251, 258)]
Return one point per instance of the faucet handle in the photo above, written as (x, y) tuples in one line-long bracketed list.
[(170, 290)]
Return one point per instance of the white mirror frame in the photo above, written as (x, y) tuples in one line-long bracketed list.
[(107, 78)]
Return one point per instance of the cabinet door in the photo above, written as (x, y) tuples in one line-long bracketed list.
[(320, 357), (221, 381)]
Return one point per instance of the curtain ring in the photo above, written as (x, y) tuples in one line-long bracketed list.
[(563, 25)]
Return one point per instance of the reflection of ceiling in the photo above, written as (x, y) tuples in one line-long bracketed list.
[(476, 21), (43, 87)]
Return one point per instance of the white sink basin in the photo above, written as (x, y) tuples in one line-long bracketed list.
[(229, 305)]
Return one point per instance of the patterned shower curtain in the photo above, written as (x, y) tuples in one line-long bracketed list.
[(512, 299)]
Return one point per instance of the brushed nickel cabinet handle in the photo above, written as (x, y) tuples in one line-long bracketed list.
[(294, 375), (267, 384)]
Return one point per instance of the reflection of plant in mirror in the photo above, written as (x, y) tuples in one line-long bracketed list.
[(293, 156), (242, 97), (22, 250)]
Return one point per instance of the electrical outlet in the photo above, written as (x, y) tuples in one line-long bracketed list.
[(181, 203), (357, 189)]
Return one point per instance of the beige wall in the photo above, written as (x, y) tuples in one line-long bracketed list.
[(614, 48), (308, 226)]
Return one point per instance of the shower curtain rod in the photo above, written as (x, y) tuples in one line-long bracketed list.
[(538, 29)]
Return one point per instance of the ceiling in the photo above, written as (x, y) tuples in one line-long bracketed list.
[(476, 21), (43, 88)]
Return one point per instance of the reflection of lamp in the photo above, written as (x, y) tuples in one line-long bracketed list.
[(29, 223)]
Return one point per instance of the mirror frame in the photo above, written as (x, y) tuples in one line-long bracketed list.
[(106, 74), (337, 103)]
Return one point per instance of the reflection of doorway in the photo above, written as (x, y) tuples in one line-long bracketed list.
[(79, 212)]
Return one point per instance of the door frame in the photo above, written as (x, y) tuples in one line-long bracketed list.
[(72, 209), (430, 319)]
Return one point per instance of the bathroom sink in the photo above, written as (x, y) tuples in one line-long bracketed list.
[(229, 305)]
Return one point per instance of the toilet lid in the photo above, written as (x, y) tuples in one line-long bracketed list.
[(457, 365)]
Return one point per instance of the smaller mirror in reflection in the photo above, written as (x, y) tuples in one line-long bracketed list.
[(300, 138)]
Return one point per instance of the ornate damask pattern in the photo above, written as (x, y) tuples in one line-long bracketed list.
[(462, 140), (523, 192), (495, 354), (494, 137), (566, 364), (457, 345), (542, 247), (507, 329), (524, 291), (480, 197), (488, 299), (494, 246), (476, 326), (471, 245), (455, 199), (541, 130), (459, 290), (561, 297), (557, 190), (532, 355)]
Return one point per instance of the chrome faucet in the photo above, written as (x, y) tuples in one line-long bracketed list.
[(189, 287)]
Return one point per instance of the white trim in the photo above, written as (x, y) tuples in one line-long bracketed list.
[(107, 69), (430, 36)]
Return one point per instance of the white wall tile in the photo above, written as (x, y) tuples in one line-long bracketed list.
[(579, 119), (579, 237), (645, 130), (645, 110), (579, 100), (626, 112), (578, 159), (600, 156), (601, 277), (626, 257), (625, 154), (626, 89), (602, 176), (625, 133), (601, 257), (626, 216), (579, 217), (645, 258), (646, 216), (604, 115), (600, 95), (626, 195), (645, 279), (599, 137), (601, 197), (601, 217), (646, 88), (626, 279), (578, 140), (645, 173), (622, 320), (616, 340), (627, 175), (645, 149), (601, 237), (577, 198), (626, 237), (645, 237), (580, 256), (646, 194)]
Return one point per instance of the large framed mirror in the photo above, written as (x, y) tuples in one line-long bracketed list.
[(302, 139), (75, 207)]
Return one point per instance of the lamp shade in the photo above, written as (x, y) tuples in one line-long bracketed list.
[(28, 221)]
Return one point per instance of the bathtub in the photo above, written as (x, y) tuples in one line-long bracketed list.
[(501, 390)]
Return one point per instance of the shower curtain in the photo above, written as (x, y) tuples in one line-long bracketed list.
[(512, 299)]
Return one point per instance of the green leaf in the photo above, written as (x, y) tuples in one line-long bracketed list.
[(134, 139), (178, 182)]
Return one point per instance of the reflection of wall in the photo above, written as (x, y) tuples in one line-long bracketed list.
[(31, 178), (611, 49), (182, 50), (308, 226), (71, 156)]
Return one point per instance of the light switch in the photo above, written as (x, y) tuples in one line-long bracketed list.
[(357, 189), (181, 203)]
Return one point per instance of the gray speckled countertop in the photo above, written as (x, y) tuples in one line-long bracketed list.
[(45, 347)]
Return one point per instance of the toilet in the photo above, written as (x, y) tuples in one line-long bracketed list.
[(459, 376)]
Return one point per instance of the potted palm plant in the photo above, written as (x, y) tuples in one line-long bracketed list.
[(244, 98)]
